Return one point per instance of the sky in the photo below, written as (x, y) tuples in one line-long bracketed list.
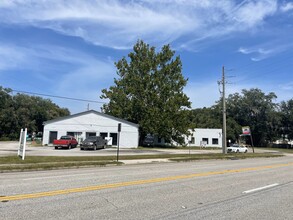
[(68, 47)]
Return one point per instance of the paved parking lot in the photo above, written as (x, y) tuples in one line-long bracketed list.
[(10, 148)]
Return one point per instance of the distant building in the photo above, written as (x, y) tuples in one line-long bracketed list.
[(92, 123), (205, 137), (200, 137)]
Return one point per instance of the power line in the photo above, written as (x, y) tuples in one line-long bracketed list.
[(55, 96)]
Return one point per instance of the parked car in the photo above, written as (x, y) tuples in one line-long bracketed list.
[(149, 140), (236, 148), (65, 142), (93, 142)]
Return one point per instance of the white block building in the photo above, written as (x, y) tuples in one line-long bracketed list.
[(200, 137), (92, 123), (205, 137)]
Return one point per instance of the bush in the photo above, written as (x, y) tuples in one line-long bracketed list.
[(5, 139)]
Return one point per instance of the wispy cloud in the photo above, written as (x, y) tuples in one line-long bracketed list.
[(257, 53), (85, 80), (287, 86), (264, 51), (119, 24), (287, 7)]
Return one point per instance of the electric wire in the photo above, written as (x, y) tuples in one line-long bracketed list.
[(55, 96)]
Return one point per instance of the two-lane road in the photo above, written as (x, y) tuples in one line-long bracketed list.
[(234, 189)]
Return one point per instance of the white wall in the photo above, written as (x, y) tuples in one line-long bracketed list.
[(200, 133), (92, 122)]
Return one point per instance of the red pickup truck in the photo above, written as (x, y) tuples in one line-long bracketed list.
[(65, 142)]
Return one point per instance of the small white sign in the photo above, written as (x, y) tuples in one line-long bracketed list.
[(22, 143), (203, 144)]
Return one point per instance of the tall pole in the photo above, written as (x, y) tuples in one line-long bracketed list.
[(224, 143)]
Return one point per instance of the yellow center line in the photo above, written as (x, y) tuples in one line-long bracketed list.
[(135, 182)]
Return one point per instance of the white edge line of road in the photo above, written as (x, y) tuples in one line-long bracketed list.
[(261, 188)]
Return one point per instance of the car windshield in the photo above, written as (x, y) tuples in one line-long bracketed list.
[(65, 138), (91, 139), (235, 145)]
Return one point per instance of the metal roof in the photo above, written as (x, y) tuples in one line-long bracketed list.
[(88, 112)]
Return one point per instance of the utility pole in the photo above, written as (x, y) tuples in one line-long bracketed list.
[(224, 132)]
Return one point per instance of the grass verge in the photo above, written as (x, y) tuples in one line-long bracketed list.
[(281, 150), (11, 163)]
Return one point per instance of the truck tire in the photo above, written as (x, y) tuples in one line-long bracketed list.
[(69, 146), (56, 148)]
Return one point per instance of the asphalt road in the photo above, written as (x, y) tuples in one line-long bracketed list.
[(235, 189)]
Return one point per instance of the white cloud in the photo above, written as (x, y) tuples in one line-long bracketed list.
[(85, 80), (88, 77), (266, 50), (287, 7), (257, 53), (119, 24), (13, 57), (254, 12)]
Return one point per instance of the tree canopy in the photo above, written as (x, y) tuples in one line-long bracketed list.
[(267, 119), (286, 114), (23, 111), (149, 91), (256, 109)]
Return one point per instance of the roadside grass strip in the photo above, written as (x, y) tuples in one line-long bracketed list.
[(135, 182), (13, 163)]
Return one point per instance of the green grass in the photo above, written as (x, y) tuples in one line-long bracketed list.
[(10, 163), (232, 156)]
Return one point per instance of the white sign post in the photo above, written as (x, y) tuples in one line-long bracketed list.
[(22, 143)]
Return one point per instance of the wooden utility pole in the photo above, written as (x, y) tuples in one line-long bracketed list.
[(224, 130)]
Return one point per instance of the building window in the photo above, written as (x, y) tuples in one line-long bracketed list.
[(104, 134), (114, 138), (70, 133), (206, 140), (215, 141), (90, 134)]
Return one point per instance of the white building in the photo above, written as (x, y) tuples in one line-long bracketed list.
[(92, 123), (200, 137), (205, 137)]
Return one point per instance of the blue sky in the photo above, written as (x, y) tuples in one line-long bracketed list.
[(68, 47)]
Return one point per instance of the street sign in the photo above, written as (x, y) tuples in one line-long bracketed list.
[(246, 130)]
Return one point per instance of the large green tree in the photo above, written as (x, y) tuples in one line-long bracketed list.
[(258, 110), (24, 111), (149, 91), (286, 127)]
